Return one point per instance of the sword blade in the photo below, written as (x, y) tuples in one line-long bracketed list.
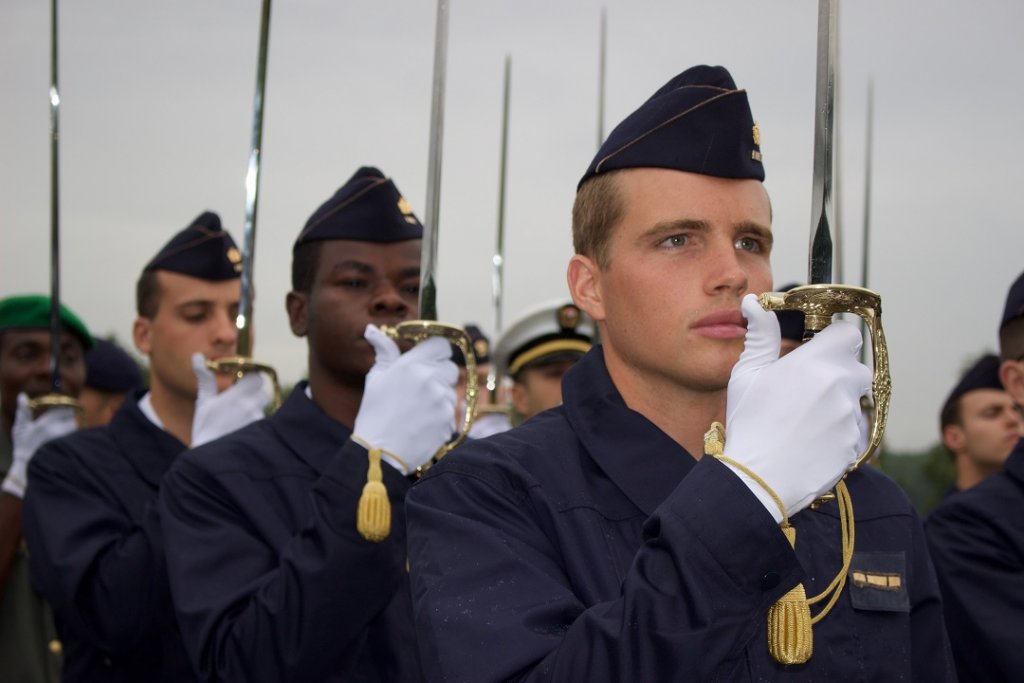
[(602, 59), (243, 322), (428, 265), (821, 247), (55, 326), (498, 260), (865, 248)]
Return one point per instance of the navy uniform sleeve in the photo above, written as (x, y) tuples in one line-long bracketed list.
[(930, 650), (101, 570), (251, 611), (982, 580), (492, 602)]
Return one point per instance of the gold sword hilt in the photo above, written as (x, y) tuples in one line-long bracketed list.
[(416, 331), (819, 303), (240, 366), (47, 401)]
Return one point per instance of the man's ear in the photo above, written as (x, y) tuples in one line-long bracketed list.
[(953, 437), (520, 399), (1011, 374), (141, 334), (584, 278), (297, 305)]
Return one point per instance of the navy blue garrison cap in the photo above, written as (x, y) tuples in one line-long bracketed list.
[(984, 374), (202, 250), (1014, 302), (791, 323), (697, 122), (109, 368), (368, 208), (481, 347)]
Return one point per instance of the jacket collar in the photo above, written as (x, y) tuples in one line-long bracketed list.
[(309, 433), (643, 461), (149, 449), (1014, 466)]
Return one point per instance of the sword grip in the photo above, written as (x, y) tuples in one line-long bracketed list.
[(819, 303), (47, 401), (416, 331), (240, 366)]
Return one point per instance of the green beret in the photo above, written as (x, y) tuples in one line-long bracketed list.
[(33, 311)]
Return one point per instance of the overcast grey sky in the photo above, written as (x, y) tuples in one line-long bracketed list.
[(157, 112)]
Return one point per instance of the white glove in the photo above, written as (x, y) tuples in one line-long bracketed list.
[(27, 435), (221, 413), (795, 420), (408, 407)]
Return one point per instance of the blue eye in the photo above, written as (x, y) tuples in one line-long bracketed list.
[(748, 244), (675, 241)]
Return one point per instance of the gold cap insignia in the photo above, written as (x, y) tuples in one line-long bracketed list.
[(235, 257), (755, 154), (406, 209), (480, 348), (568, 317)]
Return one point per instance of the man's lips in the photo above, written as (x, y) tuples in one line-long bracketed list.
[(723, 324)]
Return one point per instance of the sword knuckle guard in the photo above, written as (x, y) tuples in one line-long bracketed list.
[(819, 303)]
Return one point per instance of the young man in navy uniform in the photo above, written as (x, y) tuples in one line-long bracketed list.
[(977, 541), (94, 539), (979, 423), (594, 543), (29, 648), (271, 579)]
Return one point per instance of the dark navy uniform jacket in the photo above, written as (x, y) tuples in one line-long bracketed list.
[(96, 552), (271, 580), (977, 542), (586, 545)]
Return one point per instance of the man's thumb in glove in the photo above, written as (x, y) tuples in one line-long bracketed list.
[(384, 347)]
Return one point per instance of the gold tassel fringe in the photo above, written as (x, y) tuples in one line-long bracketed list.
[(790, 632), (790, 638), (373, 520)]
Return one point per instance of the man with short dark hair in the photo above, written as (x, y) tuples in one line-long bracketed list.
[(593, 542), (96, 550), (29, 648), (979, 423), (276, 575), (977, 541)]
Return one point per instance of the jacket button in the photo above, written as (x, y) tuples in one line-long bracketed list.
[(769, 581), (55, 647)]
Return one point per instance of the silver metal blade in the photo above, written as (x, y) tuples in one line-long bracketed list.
[(252, 187), (55, 326), (428, 264), (602, 76), (821, 247), (498, 260)]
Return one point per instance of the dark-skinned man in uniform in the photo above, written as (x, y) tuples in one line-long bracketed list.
[(270, 577), (29, 648), (593, 542), (91, 524), (977, 539)]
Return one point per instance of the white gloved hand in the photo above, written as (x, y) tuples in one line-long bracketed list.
[(27, 435), (795, 420), (221, 413), (408, 407)]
